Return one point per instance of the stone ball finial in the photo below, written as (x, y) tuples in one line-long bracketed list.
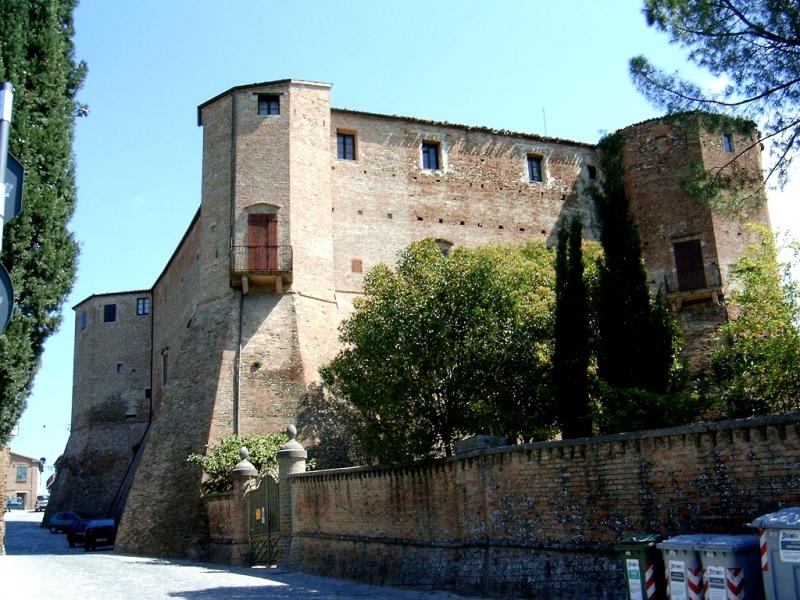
[(244, 453), (291, 431)]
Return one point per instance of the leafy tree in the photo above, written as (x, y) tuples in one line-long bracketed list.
[(447, 346), (219, 459), (757, 361), (571, 355), (754, 46), (637, 338), (37, 56)]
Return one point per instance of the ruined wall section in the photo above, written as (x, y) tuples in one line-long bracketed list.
[(540, 520), (384, 199), (110, 401)]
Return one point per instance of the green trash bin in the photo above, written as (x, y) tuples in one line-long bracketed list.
[(779, 537), (682, 566), (731, 567), (644, 567)]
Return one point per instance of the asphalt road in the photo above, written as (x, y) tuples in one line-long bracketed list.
[(39, 565)]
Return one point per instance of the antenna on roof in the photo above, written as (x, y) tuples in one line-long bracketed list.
[(544, 118)]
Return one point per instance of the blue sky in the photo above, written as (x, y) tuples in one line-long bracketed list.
[(502, 63)]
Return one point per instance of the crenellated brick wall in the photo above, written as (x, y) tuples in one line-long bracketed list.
[(540, 520)]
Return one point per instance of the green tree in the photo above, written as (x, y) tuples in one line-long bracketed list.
[(637, 339), (219, 459), (753, 46), (447, 346), (37, 56), (757, 361), (571, 355)]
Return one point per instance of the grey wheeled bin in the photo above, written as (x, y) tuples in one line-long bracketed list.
[(779, 535), (644, 571), (731, 567), (684, 571)]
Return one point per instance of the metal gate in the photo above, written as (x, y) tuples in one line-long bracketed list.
[(265, 528)]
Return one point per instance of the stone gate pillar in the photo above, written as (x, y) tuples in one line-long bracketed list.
[(244, 476), (291, 459)]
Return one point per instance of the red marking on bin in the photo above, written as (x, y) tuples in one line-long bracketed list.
[(694, 582), (764, 555), (735, 583)]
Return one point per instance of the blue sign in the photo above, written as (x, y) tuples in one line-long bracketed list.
[(15, 177), (6, 298)]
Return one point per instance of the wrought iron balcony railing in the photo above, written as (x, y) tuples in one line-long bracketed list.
[(261, 259)]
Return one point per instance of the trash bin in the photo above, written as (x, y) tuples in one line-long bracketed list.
[(644, 568), (731, 567), (684, 571), (779, 535)]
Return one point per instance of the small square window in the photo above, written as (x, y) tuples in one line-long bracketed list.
[(727, 142), (109, 313), (356, 266), (83, 320), (430, 156), (269, 104), (592, 171), (142, 306), (345, 146), (534, 168)]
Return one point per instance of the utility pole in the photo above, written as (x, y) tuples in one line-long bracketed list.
[(6, 102), (11, 178)]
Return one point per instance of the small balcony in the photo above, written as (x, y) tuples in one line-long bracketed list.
[(693, 286), (261, 266)]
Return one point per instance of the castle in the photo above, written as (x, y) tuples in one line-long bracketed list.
[(299, 200)]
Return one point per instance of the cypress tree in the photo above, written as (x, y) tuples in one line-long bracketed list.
[(37, 57), (636, 335), (571, 355)]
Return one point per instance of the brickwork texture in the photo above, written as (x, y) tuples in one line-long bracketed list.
[(540, 520)]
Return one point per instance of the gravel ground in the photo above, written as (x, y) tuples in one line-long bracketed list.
[(39, 565)]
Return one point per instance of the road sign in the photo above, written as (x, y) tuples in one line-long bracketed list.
[(15, 176), (6, 298)]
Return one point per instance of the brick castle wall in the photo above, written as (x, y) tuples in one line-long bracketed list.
[(541, 519), (110, 403)]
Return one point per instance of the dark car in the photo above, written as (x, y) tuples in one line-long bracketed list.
[(92, 533), (62, 521)]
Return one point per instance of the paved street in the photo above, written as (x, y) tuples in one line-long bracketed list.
[(40, 566)]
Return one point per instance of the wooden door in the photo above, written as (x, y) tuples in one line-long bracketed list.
[(262, 246), (689, 265)]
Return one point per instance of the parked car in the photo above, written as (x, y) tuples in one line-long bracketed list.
[(61, 521), (92, 533), (41, 503), (13, 504)]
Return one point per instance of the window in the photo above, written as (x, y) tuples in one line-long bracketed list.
[(727, 142), (164, 360), (689, 265), (109, 313), (356, 265), (534, 168), (120, 367), (22, 473), (142, 306), (83, 320), (444, 246), (592, 170), (269, 104), (430, 156), (346, 146)]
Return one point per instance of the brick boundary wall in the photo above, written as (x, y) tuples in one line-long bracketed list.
[(540, 520)]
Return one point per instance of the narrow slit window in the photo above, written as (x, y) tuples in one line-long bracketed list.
[(534, 168), (727, 142), (430, 156)]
